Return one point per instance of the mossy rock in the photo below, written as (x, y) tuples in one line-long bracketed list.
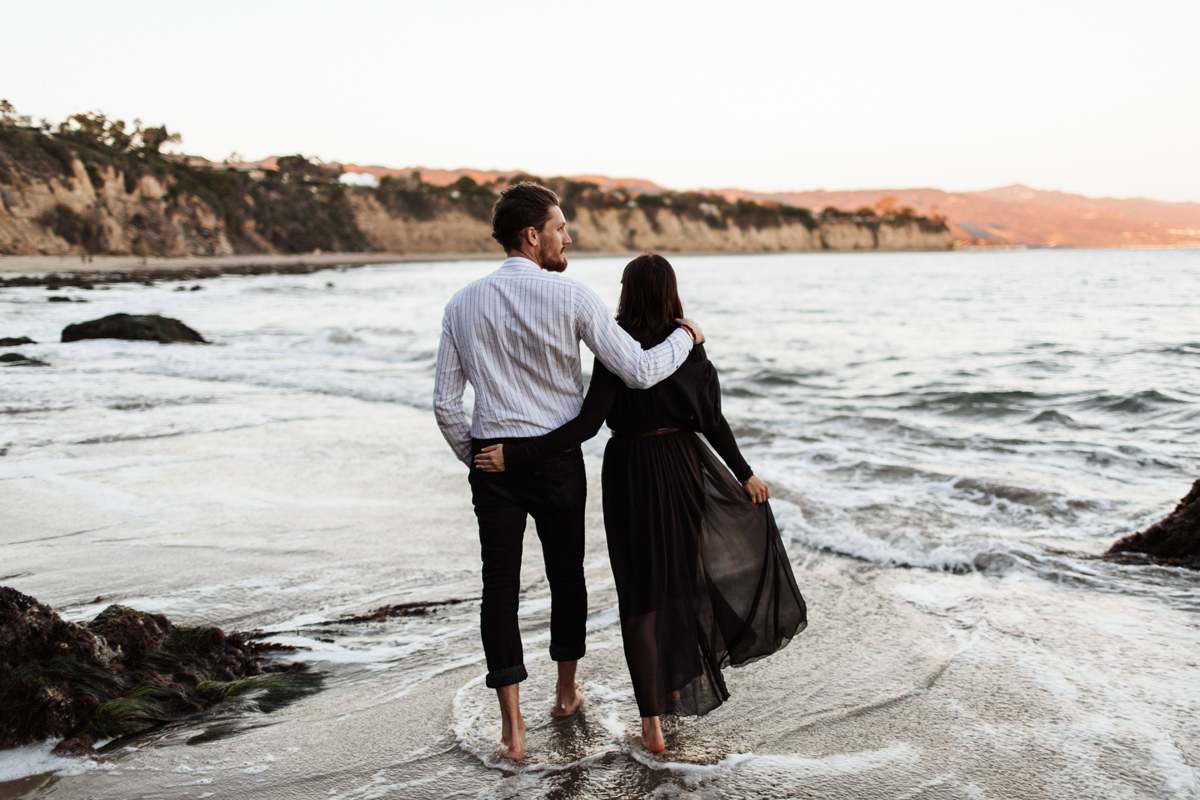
[(130, 632), (15, 341), (137, 327), (59, 679)]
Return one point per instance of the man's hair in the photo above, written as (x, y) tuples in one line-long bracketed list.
[(520, 206)]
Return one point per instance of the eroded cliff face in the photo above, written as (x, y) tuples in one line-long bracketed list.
[(635, 230), (448, 232), (105, 213), (104, 210)]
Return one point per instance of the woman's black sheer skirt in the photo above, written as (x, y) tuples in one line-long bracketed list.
[(702, 578)]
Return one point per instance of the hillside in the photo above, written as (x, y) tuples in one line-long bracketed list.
[(1009, 216), (91, 186), (1019, 215)]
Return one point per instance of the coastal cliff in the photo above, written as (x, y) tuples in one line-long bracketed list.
[(90, 188)]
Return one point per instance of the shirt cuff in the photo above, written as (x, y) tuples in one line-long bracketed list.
[(687, 337)]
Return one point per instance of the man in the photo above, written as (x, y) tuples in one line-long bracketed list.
[(514, 335)]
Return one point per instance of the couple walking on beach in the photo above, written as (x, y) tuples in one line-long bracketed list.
[(702, 578)]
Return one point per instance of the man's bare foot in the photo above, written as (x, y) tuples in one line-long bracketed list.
[(567, 700), (652, 735), (512, 724), (513, 737)]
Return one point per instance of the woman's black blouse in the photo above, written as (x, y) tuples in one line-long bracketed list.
[(689, 399)]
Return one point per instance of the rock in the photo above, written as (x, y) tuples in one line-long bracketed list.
[(61, 299), (18, 360), (121, 673), (1173, 540), (41, 654), (130, 633), (14, 341), (145, 327), (73, 747)]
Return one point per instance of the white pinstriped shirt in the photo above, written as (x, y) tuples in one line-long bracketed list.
[(514, 334)]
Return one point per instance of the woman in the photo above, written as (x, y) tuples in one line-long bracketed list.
[(701, 574)]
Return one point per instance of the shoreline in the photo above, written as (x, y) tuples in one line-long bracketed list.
[(55, 271), (66, 271)]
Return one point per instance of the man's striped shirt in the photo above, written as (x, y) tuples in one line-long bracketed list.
[(514, 334)]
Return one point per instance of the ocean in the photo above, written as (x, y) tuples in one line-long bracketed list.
[(951, 440)]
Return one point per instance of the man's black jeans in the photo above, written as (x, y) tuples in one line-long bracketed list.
[(553, 492)]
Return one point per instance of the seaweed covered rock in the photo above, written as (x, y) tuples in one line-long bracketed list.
[(1173, 540), (123, 672), (142, 327), (49, 671), (129, 633), (15, 341)]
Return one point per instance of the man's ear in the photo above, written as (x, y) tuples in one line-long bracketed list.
[(531, 235)]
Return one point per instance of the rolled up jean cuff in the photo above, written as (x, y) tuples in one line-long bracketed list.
[(558, 653), (497, 679)]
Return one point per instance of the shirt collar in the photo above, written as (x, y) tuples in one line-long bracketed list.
[(520, 263)]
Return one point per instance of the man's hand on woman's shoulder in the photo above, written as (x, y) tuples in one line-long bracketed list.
[(693, 328)]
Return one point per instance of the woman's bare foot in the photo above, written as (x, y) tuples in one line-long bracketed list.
[(513, 736), (567, 700), (652, 735)]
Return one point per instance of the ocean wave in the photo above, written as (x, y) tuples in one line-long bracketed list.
[(874, 424), (1134, 403), (995, 557), (1184, 349), (981, 404), (769, 377), (1055, 418)]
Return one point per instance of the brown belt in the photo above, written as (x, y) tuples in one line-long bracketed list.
[(659, 432)]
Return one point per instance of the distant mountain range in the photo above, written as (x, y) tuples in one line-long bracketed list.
[(1021, 216), (1012, 216)]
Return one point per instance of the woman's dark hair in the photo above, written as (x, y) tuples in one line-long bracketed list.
[(649, 302), (520, 206)]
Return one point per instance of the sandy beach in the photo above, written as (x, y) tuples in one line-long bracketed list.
[(40, 270), (964, 640), (903, 685)]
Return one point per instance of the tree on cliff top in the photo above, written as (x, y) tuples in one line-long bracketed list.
[(10, 118), (94, 129)]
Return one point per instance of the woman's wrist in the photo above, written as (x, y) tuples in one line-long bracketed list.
[(688, 328)]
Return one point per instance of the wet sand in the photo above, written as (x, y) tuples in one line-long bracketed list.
[(49, 270), (906, 684)]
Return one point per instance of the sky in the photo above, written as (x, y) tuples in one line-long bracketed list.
[(1091, 97)]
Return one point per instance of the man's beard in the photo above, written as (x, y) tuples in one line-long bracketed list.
[(553, 262)]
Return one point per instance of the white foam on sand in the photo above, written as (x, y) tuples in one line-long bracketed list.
[(1109, 691), (796, 767), (32, 759)]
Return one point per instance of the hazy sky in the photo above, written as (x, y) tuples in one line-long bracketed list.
[(1089, 96)]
